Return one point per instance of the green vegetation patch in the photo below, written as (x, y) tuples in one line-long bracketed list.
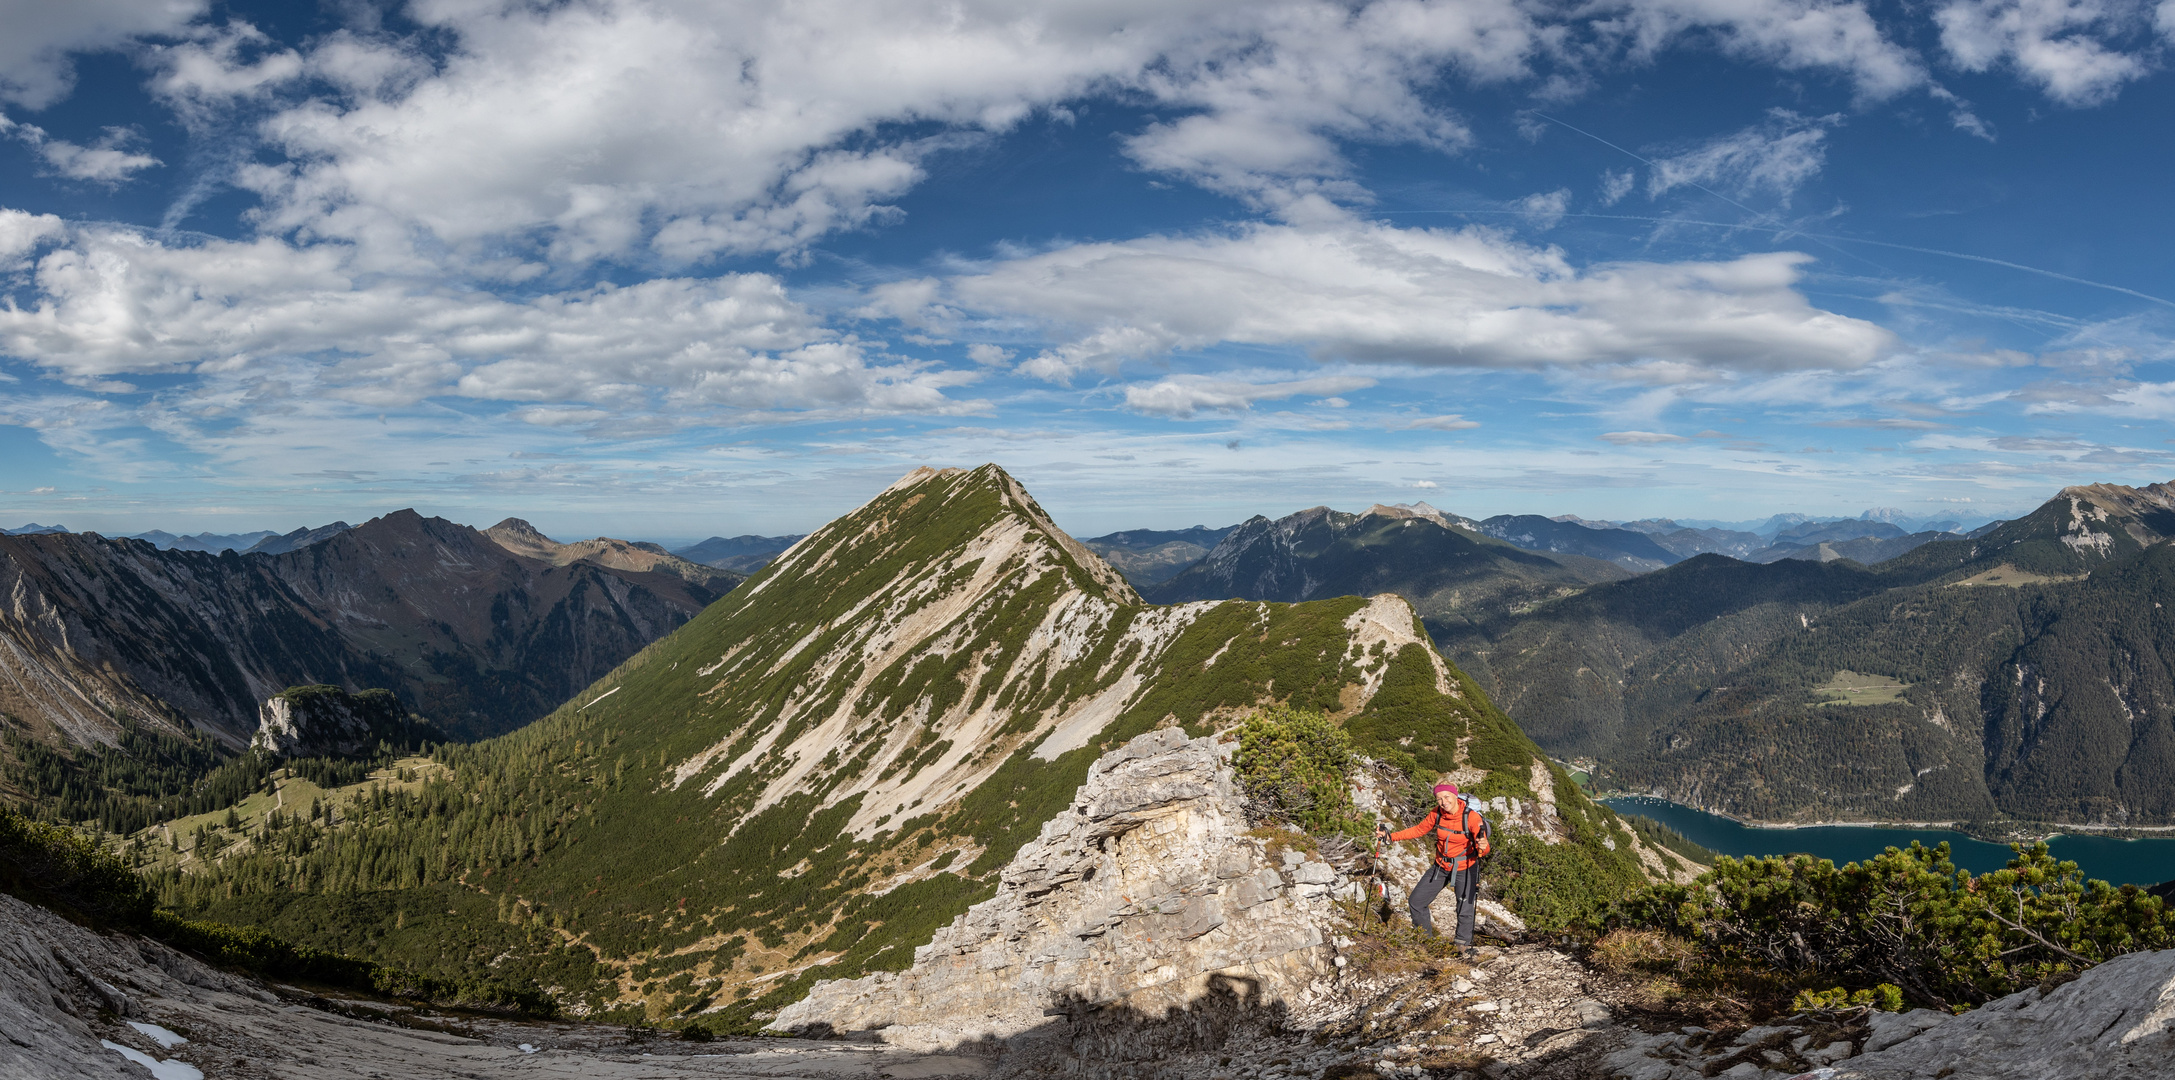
[(1848, 687), (1907, 918)]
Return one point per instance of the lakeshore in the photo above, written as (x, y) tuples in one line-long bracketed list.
[(2117, 860)]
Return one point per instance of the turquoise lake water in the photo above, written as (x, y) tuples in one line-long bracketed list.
[(2131, 862)]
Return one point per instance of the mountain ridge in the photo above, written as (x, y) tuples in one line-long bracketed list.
[(841, 755), (475, 637)]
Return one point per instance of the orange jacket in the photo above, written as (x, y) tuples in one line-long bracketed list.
[(1454, 849)]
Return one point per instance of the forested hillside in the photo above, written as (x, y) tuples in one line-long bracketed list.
[(834, 760), (2023, 674)]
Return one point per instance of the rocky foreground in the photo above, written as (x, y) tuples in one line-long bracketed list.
[(81, 1004)]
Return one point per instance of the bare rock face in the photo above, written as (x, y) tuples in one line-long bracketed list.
[(326, 721), (1148, 895), (2114, 1022)]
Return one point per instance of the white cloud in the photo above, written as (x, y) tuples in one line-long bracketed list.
[(215, 65), (2062, 45), (1778, 156), (22, 233), (110, 301), (1184, 395), (1371, 292), (1615, 184), (682, 129), (1545, 210), (107, 161), (1640, 438), (1446, 422), (1275, 89), (1796, 35), (36, 68)]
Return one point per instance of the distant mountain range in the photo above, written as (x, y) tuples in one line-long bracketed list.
[(204, 541), (1450, 571), (2024, 671), (1153, 556), (740, 554), (475, 636)]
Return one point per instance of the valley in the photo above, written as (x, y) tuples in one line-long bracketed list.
[(838, 758), (939, 752)]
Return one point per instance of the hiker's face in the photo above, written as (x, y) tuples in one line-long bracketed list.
[(1444, 799)]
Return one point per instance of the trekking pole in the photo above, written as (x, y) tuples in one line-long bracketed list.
[(1381, 891)]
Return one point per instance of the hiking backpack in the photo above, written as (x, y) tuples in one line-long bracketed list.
[(1478, 845)]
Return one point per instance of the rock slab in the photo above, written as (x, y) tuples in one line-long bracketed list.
[(1148, 895)]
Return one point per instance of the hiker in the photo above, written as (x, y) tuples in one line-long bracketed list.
[(1461, 841)]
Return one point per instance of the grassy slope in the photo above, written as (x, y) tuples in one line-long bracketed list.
[(570, 839)]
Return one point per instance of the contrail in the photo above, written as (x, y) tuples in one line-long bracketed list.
[(1839, 239), (1824, 238)]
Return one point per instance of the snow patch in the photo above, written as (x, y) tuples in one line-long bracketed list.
[(170, 1069), (167, 1040)]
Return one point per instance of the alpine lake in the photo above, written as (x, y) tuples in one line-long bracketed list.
[(2110, 859)]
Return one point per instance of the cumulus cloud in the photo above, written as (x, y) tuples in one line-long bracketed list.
[(110, 301), (36, 62), (678, 130), (1184, 395), (215, 65), (1545, 210), (1778, 157), (23, 233), (1363, 291), (2062, 45), (108, 161), (1274, 91), (1796, 35)]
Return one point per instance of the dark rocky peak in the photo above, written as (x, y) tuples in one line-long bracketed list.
[(515, 529), (298, 539)]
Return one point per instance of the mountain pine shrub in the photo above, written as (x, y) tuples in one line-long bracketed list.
[(1297, 764), (1906, 917)]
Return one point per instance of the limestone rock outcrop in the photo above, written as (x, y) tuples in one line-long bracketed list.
[(326, 721), (1149, 893)]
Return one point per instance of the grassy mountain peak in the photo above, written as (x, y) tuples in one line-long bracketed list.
[(837, 758)]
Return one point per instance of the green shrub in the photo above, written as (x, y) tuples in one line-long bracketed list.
[(1556, 888), (1887, 997), (1298, 764), (1906, 917), (60, 868)]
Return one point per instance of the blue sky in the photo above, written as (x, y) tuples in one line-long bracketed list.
[(675, 269)]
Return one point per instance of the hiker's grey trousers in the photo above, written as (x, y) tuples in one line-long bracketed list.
[(1464, 884)]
